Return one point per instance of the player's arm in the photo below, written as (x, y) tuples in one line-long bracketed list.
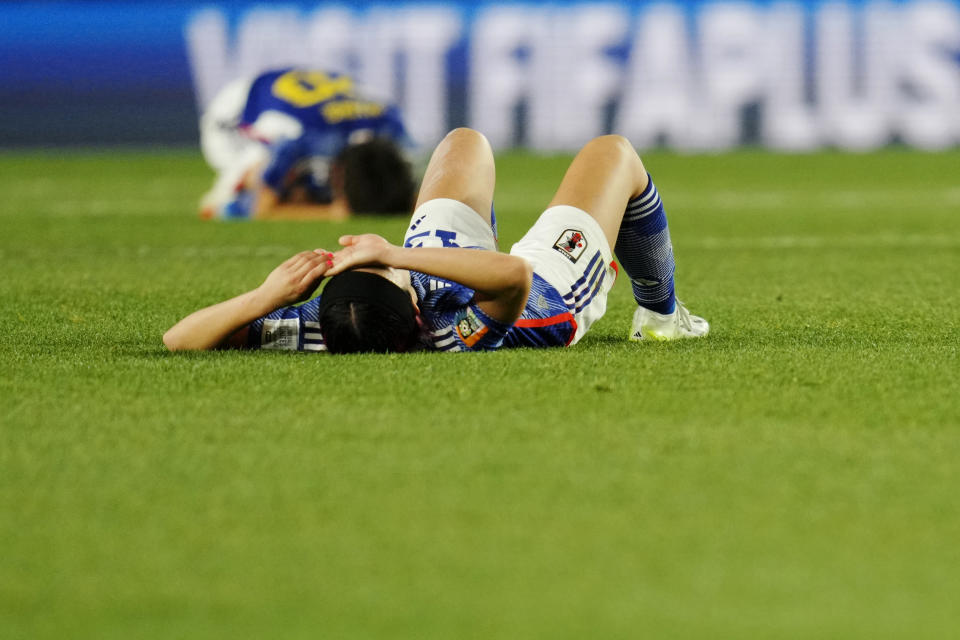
[(263, 202), (273, 180), (501, 282), (267, 206), (225, 324)]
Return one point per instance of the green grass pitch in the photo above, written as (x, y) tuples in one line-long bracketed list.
[(794, 475)]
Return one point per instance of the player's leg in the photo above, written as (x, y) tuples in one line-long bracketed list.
[(602, 178), (461, 168), (229, 152), (455, 201), (570, 245), (608, 180)]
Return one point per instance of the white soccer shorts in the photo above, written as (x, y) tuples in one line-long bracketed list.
[(569, 250), (220, 140)]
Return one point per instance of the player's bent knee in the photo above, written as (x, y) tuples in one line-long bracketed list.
[(619, 147), (613, 144)]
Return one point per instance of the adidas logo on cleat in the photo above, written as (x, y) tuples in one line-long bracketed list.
[(650, 325)]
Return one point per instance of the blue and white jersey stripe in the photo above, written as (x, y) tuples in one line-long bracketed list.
[(294, 328), (444, 340), (452, 321), (312, 338)]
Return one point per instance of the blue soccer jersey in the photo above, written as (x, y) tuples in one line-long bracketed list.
[(546, 320), (308, 156), (332, 113), (323, 102), (288, 329), (453, 322)]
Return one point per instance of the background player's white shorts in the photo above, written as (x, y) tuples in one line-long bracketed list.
[(225, 147), (220, 140), (233, 151), (566, 247), (569, 250)]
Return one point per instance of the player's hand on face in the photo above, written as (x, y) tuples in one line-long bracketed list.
[(297, 278), (366, 250)]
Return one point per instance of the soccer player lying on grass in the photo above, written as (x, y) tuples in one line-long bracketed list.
[(448, 288), (308, 144)]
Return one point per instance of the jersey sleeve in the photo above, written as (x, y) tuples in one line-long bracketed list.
[(284, 156), (453, 321), (294, 328), (304, 161)]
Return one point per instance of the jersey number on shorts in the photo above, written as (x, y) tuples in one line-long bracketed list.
[(431, 238)]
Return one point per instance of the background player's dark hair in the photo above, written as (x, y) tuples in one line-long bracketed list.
[(376, 177), (354, 326)]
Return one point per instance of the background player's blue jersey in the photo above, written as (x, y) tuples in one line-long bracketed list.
[(323, 102), (306, 157), (332, 113)]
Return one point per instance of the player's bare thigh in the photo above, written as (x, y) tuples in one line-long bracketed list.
[(461, 168)]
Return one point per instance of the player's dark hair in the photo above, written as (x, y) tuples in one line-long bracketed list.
[(361, 312), (354, 326), (376, 177)]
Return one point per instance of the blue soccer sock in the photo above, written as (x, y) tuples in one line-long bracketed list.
[(644, 250)]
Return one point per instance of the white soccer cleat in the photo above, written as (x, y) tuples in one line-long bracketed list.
[(650, 325)]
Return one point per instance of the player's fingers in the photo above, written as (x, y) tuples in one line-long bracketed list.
[(310, 258), (313, 277), (296, 260), (309, 261), (291, 260), (317, 259), (340, 262), (346, 241)]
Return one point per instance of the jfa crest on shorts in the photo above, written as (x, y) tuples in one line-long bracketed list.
[(571, 244)]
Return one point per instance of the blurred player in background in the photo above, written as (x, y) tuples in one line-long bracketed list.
[(448, 288), (298, 143)]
